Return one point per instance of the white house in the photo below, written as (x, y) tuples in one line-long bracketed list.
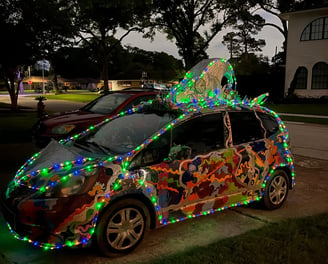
[(307, 52)]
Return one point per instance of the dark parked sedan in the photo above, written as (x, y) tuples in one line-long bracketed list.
[(63, 125)]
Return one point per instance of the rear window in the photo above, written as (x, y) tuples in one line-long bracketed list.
[(245, 127), (107, 103), (270, 124)]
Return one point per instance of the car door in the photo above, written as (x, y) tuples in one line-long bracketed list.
[(197, 173), (252, 150)]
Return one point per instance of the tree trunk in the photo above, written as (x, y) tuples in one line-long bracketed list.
[(10, 84), (105, 73), (54, 78), (55, 83)]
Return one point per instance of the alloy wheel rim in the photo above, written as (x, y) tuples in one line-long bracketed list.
[(125, 228), (278, 190)]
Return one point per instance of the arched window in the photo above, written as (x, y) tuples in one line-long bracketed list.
[(317, 29), (301, 78), (320, 76)]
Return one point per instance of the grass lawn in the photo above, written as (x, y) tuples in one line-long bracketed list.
[(310, 109), (16, 127), (302, 240)]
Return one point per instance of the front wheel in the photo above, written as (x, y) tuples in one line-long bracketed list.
[(122, 227), (276, 190)]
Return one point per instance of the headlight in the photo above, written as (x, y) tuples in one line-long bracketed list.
[(62, 130), (74, 185)]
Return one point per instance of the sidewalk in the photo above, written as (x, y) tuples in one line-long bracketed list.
[(28, 101)]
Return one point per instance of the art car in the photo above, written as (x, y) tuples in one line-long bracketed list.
[(200, 150)]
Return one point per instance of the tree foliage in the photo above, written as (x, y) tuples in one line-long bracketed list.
[(31, 30), (100, 20), (75, 62), (275, 8), (157, 65), (242, 40), (193, 24)]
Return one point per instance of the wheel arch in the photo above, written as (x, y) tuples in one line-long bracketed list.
[(288, 171), (135, 196)]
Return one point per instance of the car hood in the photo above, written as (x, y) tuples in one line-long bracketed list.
[(71, 117), (49, 166)]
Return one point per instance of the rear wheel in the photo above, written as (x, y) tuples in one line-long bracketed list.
[(122, 227), (276, 190)]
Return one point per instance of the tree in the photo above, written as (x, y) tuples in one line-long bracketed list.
[(275, 8), (16, 48), (242, 41), (99, 21), (157, 65), (75, 62), (232, 42), (31, 29), (192, 24)]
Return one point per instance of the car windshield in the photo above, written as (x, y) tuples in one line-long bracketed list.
[(123, 134), (107, 103)]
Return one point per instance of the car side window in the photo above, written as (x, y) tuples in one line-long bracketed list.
[(270, 124), (156, 152), (202, 134), (245, 127)]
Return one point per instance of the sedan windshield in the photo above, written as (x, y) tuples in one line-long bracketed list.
[(107, 103), (125, 133)]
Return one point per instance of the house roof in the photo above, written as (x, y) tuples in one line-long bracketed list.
[(319, 11)]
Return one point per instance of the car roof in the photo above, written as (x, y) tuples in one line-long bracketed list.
[(137, 90)]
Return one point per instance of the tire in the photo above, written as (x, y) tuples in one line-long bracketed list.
[(276, 190), (122, 227)]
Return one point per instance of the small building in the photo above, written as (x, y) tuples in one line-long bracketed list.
[(37, 83), (307, 52)]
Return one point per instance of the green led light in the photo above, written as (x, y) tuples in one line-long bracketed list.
[(153, 199), (65, 178), (92, 127), (69, 243), (116, 186), (99, 205), (89, 168)]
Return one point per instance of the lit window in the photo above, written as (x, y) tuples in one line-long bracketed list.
[(320, 76), (317, 29)]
